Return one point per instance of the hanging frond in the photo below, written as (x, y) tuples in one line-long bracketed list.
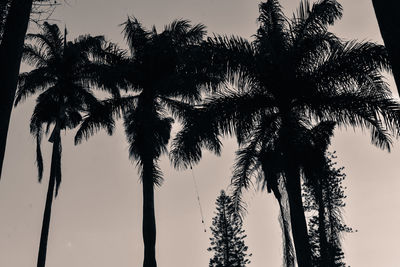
[(102, 116), (36, 130), (196, 134)]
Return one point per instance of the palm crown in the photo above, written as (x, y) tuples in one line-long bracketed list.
[(60, 78), (164, 71)]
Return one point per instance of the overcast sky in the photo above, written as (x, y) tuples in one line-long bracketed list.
[(96, 219)]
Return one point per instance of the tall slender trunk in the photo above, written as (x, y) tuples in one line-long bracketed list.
[(287, 246), (55, 158), (387, 13), (297, 217), (10, 61), (323, 243), (149, 220)]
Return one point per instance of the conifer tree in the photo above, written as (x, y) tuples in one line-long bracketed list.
[(324, 200), (228, 236)]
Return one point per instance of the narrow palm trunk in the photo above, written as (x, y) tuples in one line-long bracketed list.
[(10, 61), (287, 246), (389, 24), (149, 220), (297, 218), (55, 158)]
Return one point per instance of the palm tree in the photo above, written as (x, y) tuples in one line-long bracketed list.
[(165, 71), (62, 75), (294, 74)]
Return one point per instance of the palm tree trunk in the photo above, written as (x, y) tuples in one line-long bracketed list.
[(10, 61), (149, 220), (297, 218), (287, 246), (389, 24), (55, 158)]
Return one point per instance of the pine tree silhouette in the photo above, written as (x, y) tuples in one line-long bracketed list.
[(228, 236)]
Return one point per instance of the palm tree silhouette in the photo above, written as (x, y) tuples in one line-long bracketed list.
[(294, 74), (62, 75), (165, 71)]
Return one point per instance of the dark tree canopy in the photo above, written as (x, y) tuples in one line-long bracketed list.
[(295, 81), (163, 74)]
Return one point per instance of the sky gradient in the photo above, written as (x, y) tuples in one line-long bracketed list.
[(96, 219)]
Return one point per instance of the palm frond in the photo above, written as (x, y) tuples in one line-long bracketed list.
[(135, 34), (227, 108), (154, 173), (183, 33), (197, 133), (33, 82), (230, 54), (272, 35), (271, 17), (147, 133), (34, 56), (50, 40), (180, 110), (99, 116), (246, 166), (380, 114), (353, 62), (311, 20), (87, 44)]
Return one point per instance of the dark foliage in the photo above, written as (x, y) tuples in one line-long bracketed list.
[(227, 242), (324, 201), (163, 74), (61, 79), (285, 92)]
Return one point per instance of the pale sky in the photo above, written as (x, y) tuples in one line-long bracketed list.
[(96, 219)]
